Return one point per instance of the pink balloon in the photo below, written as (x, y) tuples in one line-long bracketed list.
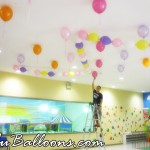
[(70, 57), (99, 63), (99, 6), (16, 67), (65, 33), (82, 34), (77, 73), (94, 74), (100, 46), (116, 42), (37, 72), (65, 74)]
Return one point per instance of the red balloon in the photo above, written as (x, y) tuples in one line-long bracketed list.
[(99, 6), (100, 46), (94, 74)]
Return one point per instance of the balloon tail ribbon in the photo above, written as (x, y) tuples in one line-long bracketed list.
[(29, 12)]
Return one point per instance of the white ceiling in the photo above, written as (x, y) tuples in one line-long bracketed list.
[(41, 21)]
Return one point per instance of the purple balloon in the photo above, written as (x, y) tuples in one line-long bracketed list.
[(79, 45), (105, 40), (124, 54), (143, 31), (51, 73), (23, 69), (84, 62), (20, 58), (121, 68)]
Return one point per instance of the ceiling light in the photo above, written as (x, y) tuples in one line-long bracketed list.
[(0, 50), (18, 71), (121, 78), (73, 80), (113, 86), (74, 67)]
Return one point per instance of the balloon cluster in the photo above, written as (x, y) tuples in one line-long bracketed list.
[(82, 55), (44, 73), (143, 32), (20, 67), (6, 13), (71, 73), (146, 62), (124, 56)]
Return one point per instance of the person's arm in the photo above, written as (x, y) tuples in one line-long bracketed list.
[(93, 84)]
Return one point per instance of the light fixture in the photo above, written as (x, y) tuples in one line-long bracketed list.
[(73, 80), (0, 51), (121, 78), (18, 71), (113, 86), (74, 67)]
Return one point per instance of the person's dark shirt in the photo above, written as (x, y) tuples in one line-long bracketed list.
[(97, 97)]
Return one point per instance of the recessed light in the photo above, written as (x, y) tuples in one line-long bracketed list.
[(73, 80), (18, 71), (0, 50), (113, 86), (121, 78), (74, 67)]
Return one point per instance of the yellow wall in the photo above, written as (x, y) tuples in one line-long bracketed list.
[(115, 105)]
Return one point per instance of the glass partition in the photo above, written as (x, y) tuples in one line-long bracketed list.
[(29, 116)]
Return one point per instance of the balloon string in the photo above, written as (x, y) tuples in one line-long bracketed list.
[(29, 12), (3, 32), (37, 61)]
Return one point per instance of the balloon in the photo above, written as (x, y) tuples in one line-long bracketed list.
[(146, 62), (65, 73), (99, 6), (124, 54), (65, 33), (86, 65), (117, 42), (100, 46), (6, 13), (84, 62), (23, 69), (81, 51), (16, 67), (77, 73), (79, 45), (54, 64), (142, 44), (51, 73), (44, 73), (94, 74), (71, 73), (20, 58), (37, 49), (99, 63), (121, 68), (37, 72), (70, 57), (93, 37), (105, 40), (143, 31), (82, 34)]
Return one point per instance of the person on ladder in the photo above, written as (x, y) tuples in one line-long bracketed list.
[(97, 101)]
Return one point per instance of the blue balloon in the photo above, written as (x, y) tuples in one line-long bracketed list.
[(105, 40), (23, 69), (51, 73), (79, 45)]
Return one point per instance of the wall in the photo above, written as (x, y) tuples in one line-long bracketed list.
[(122, 110)]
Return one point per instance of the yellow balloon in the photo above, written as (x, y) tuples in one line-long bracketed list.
[(81, 51), (93, 37), (44, 73), (142, 44), (71, 74), (86, 65)]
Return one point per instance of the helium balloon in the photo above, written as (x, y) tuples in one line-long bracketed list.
[(124, 54), (100, 46), (99, 6), (116, 42), (81, 51), (121, 68), (23, 69), (70, 57), (20, 58), (54, 64), (99, 63), (143, 31), (79, 45), (94, 74), (6, 13), (65, 33), (16, 67), (142, 44), (51, 73), (37, 72), (44, 73), (93, 37), (37, 49), (82, 34), (146, 62), (105, 40)]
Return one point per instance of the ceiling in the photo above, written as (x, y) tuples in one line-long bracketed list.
[(41, 21)]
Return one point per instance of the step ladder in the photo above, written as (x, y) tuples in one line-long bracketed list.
[(90, 127)]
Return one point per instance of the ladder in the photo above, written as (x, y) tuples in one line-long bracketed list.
[(90, 127)]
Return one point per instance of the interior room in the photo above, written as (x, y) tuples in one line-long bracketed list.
[(74, 74)]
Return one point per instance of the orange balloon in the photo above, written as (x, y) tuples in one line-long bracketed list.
[(6, 13), (146, 62), (37, 49), (54, 64)]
